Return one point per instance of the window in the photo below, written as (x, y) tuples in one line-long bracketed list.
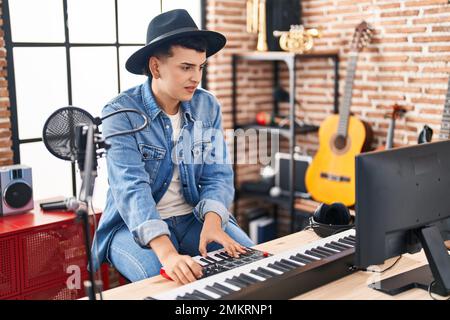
[(53, 64)]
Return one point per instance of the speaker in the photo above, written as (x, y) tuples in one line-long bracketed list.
[(16, 187), (280, 15)]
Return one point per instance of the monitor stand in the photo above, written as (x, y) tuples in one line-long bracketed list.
[(437, 270)]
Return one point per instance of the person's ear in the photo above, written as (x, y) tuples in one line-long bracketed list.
[(153, 66)]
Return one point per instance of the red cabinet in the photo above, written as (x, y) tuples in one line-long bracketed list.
[(43, 256)]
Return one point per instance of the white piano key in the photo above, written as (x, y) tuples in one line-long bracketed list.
[(308, 255), (273, 270), (229, 285), (296, 262), (254, 276)]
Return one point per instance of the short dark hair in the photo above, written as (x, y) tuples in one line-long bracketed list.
[(197, 43)]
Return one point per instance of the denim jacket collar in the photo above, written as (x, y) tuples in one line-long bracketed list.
[(154, 109)]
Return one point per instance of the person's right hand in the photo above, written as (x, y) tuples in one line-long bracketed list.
[(182, 268)]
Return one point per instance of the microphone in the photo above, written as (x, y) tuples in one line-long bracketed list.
[(68, 204), (64, 133)]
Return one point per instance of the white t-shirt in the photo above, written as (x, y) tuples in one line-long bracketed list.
[(173, 203)]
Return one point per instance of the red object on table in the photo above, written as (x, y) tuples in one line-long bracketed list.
[(43, 256)]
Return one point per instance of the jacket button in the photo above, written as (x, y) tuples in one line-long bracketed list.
[(145, 155)]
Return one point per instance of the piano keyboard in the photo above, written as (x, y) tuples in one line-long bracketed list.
[(286, 274)]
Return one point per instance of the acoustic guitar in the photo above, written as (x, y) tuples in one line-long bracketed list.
[(331, 175)]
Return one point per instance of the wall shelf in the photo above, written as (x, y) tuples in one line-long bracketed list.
[(292, 130)]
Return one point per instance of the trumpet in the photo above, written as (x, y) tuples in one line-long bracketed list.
[(297, 39), (256, 22)]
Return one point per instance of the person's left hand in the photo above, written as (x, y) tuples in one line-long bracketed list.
[(212, 232)]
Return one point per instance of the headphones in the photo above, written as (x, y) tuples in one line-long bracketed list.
[(331, 219)]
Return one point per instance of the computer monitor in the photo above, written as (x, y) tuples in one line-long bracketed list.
[(403, 205)]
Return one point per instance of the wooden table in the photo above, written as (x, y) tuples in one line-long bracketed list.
[(351, 287)]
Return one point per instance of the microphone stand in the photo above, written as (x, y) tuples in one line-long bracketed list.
[(87, 187)]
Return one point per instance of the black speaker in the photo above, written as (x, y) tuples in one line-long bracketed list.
[(280, 15), (16, 189)]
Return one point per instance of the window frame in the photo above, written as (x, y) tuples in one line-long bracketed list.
[(10, 45)]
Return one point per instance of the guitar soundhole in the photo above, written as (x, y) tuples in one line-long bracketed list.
[(340, 142)]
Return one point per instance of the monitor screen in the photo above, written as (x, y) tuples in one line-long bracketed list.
[(398, 191)]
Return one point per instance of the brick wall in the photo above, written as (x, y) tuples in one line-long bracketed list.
[(6, 155), (406, 63)]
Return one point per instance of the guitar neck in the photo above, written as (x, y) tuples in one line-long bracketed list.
[(390, 135), (445, 125), (344, 111)]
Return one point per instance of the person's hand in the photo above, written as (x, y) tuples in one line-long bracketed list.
[(181, 268), (212, 232)]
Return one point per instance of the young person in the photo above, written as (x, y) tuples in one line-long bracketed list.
[(169, 185)]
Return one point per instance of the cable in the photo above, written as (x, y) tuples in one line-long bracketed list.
[(376, 271), (127, 131), (429, 292)]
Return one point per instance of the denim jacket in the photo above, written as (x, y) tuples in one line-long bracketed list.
[(140, 165)]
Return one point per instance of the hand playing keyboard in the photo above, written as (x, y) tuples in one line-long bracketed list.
[(219, 261)]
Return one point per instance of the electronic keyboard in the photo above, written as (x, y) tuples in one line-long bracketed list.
[(280, 276)]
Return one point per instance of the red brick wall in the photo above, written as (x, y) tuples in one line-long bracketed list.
[(6, 154), (406, 63)]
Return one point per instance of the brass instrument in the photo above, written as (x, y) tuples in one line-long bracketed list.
[(256, 22), (297, 39)]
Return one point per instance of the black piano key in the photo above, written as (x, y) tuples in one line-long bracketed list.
[(280, 266), (223, 288), (302, 256), (325, 253), (315, 254), (245, 281), (245, 277), (227, 255), (287, 265), (210, 259), (184, 298), (224, 256), (351, 244), (334, 247), (236, 283), (299, 259), (352, 237), (215, 290), (219, 256), (273, 266), (205, 261), (202, 295), (331, 252), (291, 263), (261, 274), (268, 272), (342, 245)]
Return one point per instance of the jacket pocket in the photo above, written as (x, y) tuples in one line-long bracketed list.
[(200, 151), (152, 156)]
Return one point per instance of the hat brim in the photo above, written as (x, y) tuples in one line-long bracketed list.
[(137, 62)]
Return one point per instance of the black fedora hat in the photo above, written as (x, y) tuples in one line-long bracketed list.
[(167, 26)]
